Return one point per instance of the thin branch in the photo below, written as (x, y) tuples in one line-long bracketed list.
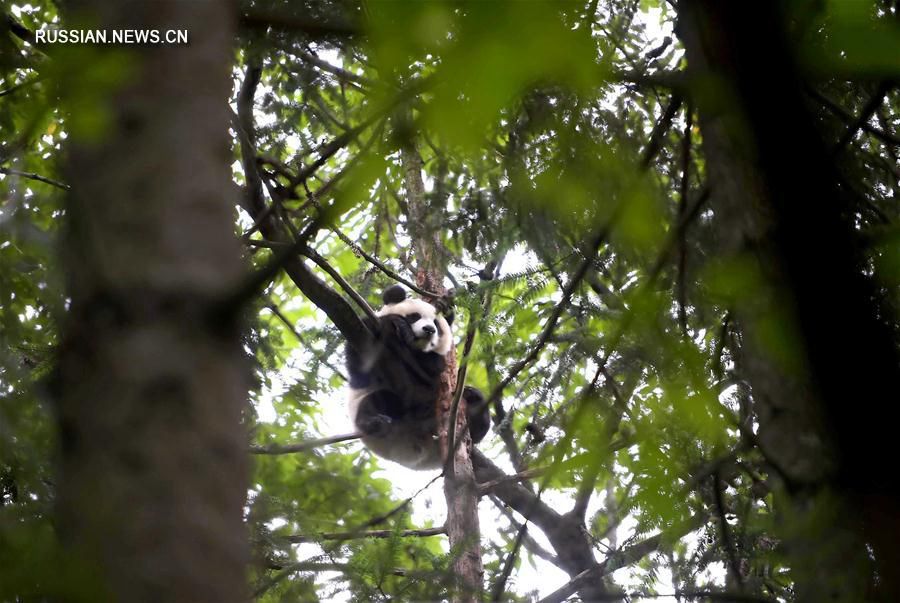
[(586, 487), (734, 567), (622, 558), (20, 85), (650, 152), (348, 289), (550, 325), (885, 137), (864, 115), (266, 244), (681, 284), (257, 281), (382, 518), (530, 543), (333, 147), (420, 533), (273, 307), (303, 446), (671, 243), (333, 69), (611, 426), (33, 176), (499, 587), (673, 80), (660, 129), (317, 291), (378, 264), (293, 568), (486, 487)]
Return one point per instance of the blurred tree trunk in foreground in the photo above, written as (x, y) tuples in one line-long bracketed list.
[(151, 383), (820, 385)]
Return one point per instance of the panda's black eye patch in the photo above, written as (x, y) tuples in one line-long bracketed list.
[(412, 318), (437, 326)]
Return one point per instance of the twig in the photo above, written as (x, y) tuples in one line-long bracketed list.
[(725, 531), (835, 108), (659, 130), (681, 285), (266, 244), (550, 325), (499, 586), (33, 176), (348, 289), (382, 518), (530, 543), (620, 559), (421, 532), (303, 446), (868, 109), (21, 85), (378, 264), (333, 69), (273, 307), (293, 568), (485, 487)]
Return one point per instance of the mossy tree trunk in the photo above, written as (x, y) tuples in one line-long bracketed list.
[(151, 379), (818, 390), (460, 489)]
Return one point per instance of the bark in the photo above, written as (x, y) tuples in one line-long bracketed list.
[(153, 454), (460, 489), (819, 405)]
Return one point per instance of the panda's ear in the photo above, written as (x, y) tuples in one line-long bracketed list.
[(393, 294)]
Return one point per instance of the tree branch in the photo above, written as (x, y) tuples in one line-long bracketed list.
[(885, 137), (378, 264), (420, 533), (273, 307), (303, 446), (317, 291), (333, 69), (622, 558), (864, 115), (33, 176), (550, 325)]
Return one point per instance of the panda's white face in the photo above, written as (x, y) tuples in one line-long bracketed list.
[(431, 331)]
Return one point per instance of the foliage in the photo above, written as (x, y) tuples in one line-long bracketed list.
[(541, 125)]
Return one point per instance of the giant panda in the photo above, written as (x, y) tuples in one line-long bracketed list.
[(394, 384)]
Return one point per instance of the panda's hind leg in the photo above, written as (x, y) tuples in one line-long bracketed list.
[(370, 419), (477, 413)]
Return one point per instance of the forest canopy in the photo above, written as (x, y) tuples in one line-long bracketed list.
[(667, 233)]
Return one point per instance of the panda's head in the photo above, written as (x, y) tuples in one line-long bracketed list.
[(430, 330)]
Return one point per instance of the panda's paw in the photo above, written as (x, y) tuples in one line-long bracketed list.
[(375, 425)]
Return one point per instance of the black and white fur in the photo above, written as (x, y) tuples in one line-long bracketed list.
[(394, 384)]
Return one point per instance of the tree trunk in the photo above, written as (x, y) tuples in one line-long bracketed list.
[(460, 489), (152, 384), (819, 394)]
